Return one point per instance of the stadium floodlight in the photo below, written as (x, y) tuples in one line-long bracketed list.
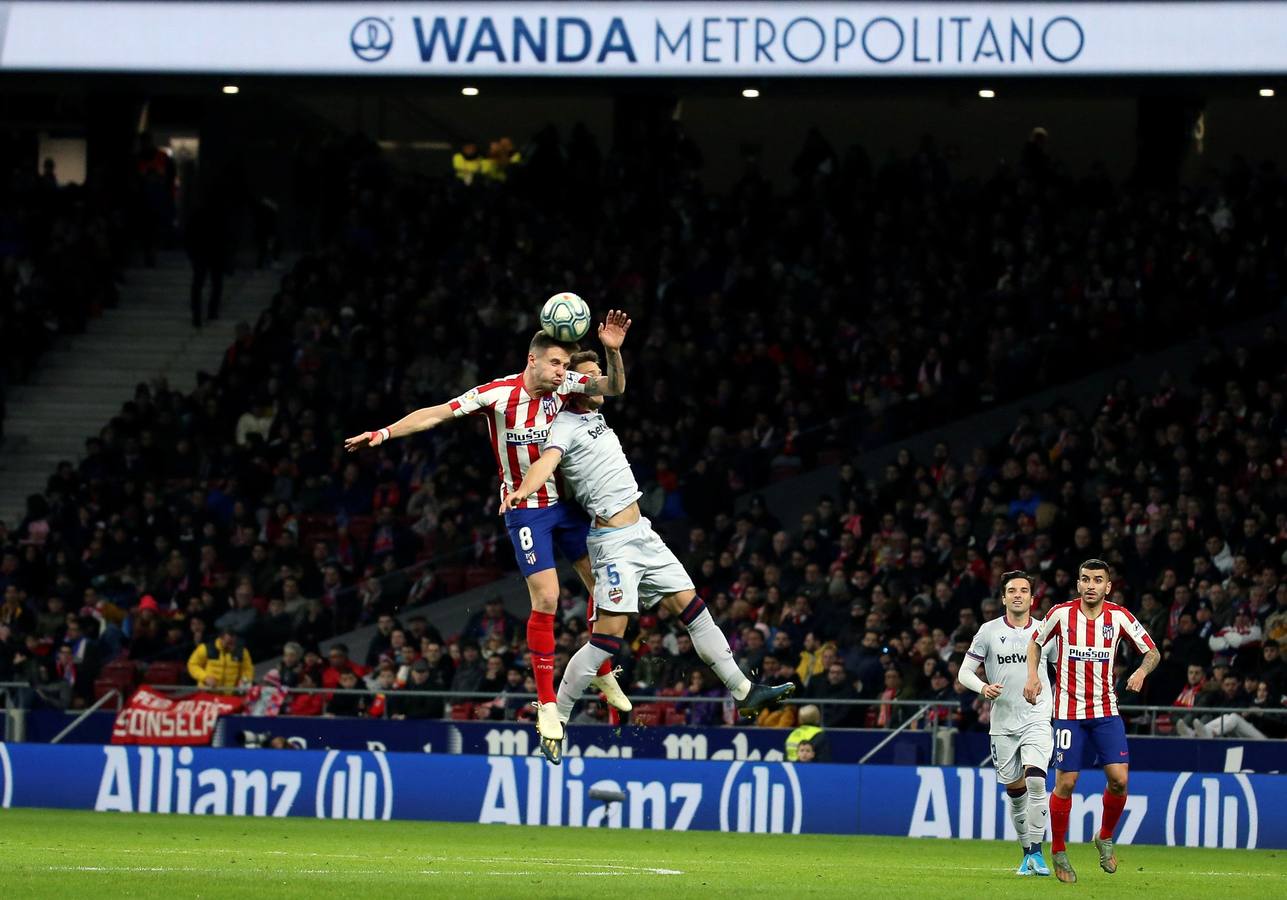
[(1266, 92), (231, 89), (987, 93), (750, 93), (469, 91)]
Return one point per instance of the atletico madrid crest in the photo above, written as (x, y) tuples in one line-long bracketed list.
[(1108, 632)]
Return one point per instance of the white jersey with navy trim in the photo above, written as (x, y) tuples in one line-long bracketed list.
[(595, 469), (1003, 650)]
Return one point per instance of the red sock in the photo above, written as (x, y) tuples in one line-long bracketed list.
[(540, 647), (1113, 806), (1060, 810), (614, 717)]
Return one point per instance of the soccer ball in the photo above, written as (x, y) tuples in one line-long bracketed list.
[(565, 317)]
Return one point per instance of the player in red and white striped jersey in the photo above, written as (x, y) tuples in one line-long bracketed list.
[(519, 409), (1088, 631)]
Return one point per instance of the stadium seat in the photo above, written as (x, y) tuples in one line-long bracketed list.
[(462, 712), (674, 716), (647, 714), (163, 673), (360, 528), (121, 672), (452, 579), (478, 576), (103, 685)]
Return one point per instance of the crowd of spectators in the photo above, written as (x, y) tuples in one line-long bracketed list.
[(774, 330)]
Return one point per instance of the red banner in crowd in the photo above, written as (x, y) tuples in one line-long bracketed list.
[(153, 718)]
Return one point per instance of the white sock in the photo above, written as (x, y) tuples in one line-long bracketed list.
[(576, 677), (1019, 815), (712, 647), (1038, 809)]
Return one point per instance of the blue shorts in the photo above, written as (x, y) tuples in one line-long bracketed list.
[(1075, 738), (536, 532)]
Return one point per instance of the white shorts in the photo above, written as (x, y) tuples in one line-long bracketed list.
[(633, 568), (1013, 753)]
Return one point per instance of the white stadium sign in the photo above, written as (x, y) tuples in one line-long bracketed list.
[(646, 39)]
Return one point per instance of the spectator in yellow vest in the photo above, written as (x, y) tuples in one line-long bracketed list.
[(809, 730), (467, 163)]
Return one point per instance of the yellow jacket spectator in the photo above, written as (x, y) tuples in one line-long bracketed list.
[(815, 659), (467, 164), (221, 664)]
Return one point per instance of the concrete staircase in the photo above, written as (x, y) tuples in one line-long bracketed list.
[(80, 383)]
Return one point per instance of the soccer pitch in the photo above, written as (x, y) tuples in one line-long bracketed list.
[(52, 853)]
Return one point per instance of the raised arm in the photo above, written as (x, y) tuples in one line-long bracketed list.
[(537, 474), (421, 420), (612, 334)]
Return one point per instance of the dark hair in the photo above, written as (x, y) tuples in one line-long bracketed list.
[(583, 356), (1096, 565), (1007, 577), (542, 342)]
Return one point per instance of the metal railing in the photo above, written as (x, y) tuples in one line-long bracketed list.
[(101, 701), (448, 696), (1155, 715)]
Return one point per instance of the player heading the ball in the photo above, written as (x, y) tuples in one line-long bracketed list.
[(633, 567), (519, 409)]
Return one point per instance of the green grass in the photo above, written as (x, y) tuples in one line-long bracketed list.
[(47, 853)]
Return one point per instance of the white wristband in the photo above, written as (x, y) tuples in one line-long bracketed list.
[(384, 434)]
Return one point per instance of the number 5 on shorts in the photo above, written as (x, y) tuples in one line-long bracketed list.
[(614, 577)]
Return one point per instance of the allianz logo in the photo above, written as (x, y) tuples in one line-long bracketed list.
[(1201, 811), (763, 799), (162, 779), (1205, 816), (980, 811)]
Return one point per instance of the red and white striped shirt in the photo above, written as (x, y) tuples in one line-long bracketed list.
[(519, 423), (1083, 685)]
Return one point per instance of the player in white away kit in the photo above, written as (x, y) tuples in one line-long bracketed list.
[(1086, 718), (519, 409), (1020, 731), (633, 568)]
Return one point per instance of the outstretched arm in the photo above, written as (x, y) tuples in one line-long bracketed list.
[(537, 474), (421, 420), (612, 333)]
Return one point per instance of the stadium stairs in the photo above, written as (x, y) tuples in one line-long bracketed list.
[(80, 384), (790, 498)]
